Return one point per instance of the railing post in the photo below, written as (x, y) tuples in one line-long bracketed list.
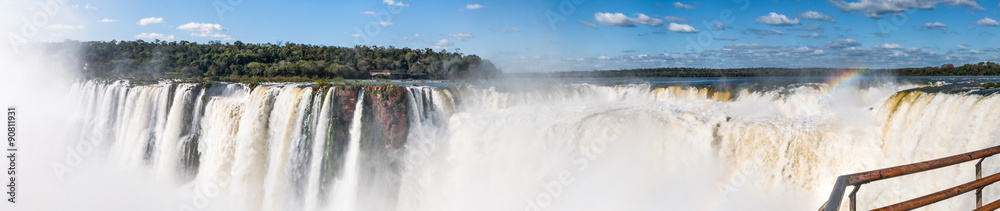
[(852, 197), (979, 175), (860, 178)]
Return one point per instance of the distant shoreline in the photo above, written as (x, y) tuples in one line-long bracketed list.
[(979, 69)]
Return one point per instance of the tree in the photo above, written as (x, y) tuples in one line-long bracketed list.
[(191, 59)]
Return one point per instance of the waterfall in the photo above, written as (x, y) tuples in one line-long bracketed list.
[(312, 200), (168, 149), (220, 125), (252, 148), (277, 146), (345, 189), (285, 129), (143, 123)]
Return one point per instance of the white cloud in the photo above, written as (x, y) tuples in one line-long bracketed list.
[(588, 25), (205, 30), (107, 20), (889, 46), (726, 38), (817, 16), (394, 3), (681, 28), (682, 5), (676, 19), (89, 7), (935, 25), (355, 35), (962, 47), (461, 35), (776, 19), (844, 43), (877, 8), (473, 6), (768, 32), (618, 19), (813, 35), (756, 55), (719, 26), (613, 19), (153, 36), (646, 20), (411, 37), (987, 22), (809, 28), (150, 20), (506, 30), (368, 13), (63, 27), (384, 23), (442, 43)]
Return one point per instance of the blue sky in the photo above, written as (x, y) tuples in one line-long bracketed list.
[(521, 35)]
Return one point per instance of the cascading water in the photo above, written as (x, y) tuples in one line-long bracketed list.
[(285, 129), (250, 163), (145, 114), (322, 121), (345, 189), (168, 149), (559, 147)]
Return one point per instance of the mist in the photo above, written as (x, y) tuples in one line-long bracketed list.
[(56, 169), (512, 143)]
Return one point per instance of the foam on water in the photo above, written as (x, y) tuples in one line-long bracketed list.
[(564, 147)]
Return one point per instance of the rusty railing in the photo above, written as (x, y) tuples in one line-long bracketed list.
[(858, 179)]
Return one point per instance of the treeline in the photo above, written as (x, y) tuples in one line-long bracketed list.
[(982, 68), (190, 59), (690, 72)]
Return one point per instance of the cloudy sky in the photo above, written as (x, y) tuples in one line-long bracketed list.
[(529, 35)]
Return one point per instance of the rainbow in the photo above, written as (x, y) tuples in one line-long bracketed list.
[(843, 79), (730, 179)]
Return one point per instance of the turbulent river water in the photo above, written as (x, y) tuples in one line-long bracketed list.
[(623, 144)]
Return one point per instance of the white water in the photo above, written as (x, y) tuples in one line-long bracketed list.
[(167, 150), (144, 117), (346, 187), (285, 130), (565, 147), (312, 200)]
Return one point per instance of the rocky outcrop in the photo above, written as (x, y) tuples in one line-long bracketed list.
[(384, 130), (342, 111), (385, 114), (385, 127)]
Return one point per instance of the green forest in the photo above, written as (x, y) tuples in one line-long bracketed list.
[(692, 72), (279, 62), (215, 59), (980, 69)]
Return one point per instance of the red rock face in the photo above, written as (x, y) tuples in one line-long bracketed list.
[(342, 111), (386, 107), (384, 120), (385, 128)]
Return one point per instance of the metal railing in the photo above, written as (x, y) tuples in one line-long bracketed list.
[(858, 179)]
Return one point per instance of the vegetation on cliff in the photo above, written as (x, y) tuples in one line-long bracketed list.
[(982, 68), (686, 72), (141, 59)]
